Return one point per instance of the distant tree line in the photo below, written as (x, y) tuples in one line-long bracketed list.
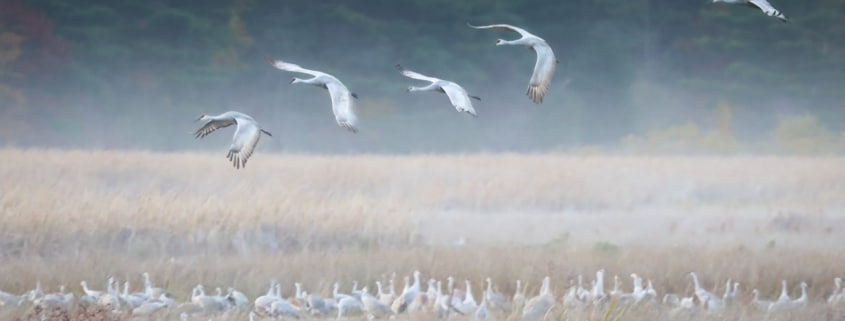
[(629, 66)]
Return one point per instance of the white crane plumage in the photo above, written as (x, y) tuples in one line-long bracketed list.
[(458, 96), (763, 5), (537, 307), (246, 135), (837, 294), (341, 96), (544, 68)]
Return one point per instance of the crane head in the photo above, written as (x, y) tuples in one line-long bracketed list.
[(201, 117)]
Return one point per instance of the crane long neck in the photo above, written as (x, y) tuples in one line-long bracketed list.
[(518, 42), (430, 87), (310, 81)]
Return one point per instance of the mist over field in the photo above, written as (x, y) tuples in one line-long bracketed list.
[(676, 137)]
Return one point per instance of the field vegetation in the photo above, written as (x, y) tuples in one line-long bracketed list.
[(189, 218)]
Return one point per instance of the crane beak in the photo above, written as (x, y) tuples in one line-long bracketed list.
[(292, 80)]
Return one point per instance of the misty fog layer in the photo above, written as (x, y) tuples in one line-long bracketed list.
[(134, 74)]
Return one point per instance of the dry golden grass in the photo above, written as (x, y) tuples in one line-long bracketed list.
[(189, 218)]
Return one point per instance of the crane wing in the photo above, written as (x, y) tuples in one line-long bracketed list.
[(415, 75), (504, 27), (286, 66), (211, 126), (544, 70), (459, 97), (768, 9), (244, 142), (342, 105)]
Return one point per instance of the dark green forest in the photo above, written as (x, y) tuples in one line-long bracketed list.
[(135, 74)]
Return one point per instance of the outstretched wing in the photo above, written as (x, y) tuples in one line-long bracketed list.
[(459, 97), (211, 126), (244, 142), (342, 104), (286, 66), (768, 9), (414, 74), (504, 27), (544, 70)]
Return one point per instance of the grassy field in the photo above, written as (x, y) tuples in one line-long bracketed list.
[(190, 218)]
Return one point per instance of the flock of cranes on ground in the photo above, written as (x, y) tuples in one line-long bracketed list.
[(248, 131), (455, 301)]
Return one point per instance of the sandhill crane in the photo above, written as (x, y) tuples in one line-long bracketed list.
[(430, 294), (784, 293), (246, 135), (580, 291), (537, 307), (208, 303), (468, 305), (730, 293), (570, 299), (616, 291), (346, 304), (457, 95), (355, 292), (37, 292), (60, 300), (481, 314), (373, 306), (544, 68), (406, 300), (111, 299), (152, 306), (763, 5), (783, 302), (89, 292), (283, 308), (442, 305), (702, 294), (494, 300), (680, 306), (341, 96), (8, 299), (801, 300), (262, 303), (132, 300), (237, 298), (518, 296), (638, 293), (650, 294), (761, 305), (671, 299), (150, 289), (384, 298), (316, 305), (597, 293), (457, 295), (837, 294)]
